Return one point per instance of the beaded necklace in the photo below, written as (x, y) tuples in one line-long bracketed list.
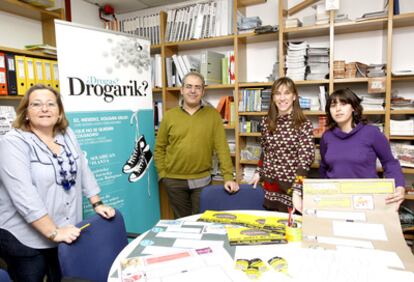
[(67, 180)]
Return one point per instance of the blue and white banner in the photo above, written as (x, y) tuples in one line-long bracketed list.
[(105, 82)]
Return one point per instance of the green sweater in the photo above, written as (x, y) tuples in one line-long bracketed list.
[(185, 144)]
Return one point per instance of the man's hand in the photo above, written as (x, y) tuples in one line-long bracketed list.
[(231, 186)]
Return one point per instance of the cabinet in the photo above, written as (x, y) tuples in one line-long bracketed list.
[(46, 18)]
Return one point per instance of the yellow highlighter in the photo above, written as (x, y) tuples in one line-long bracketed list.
[(83, 227)]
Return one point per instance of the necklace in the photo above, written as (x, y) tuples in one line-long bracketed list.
[(68, 179)]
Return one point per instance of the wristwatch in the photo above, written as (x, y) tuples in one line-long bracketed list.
[(52, 236)]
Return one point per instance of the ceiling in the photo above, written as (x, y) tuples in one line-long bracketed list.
[(125, 6)]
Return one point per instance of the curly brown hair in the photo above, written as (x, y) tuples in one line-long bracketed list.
[(273, 113), (21, 113)]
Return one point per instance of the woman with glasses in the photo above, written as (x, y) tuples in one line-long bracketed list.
[(43, 174), (287, 149), (350, 147)]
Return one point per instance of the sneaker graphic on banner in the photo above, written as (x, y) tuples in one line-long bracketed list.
[(134, 158), (144, 160)]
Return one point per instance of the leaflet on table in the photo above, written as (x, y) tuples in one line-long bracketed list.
[(179, 234), (253, 236), (182, 265), (276, 224), (341, 213)]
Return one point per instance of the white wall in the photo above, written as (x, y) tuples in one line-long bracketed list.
[(17, 31), (85, 13)]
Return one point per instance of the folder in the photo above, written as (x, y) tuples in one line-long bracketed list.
[(11, 74), (47, 72), (20, 75), (30, 72), (3, 82), (210, 66), (55, 75), (38, 71)]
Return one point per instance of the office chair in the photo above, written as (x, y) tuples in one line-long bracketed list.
[(214, 197), (92, 254), (4, 276)]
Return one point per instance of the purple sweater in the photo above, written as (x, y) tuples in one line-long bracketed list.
[(354, 154)]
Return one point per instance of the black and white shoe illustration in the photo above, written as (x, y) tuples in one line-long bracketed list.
[(143, 162), (134, 158)]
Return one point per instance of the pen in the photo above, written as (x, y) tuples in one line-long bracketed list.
[(83, 227), (289, 216)]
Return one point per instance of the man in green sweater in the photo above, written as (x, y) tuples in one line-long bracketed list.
[(187, 137)]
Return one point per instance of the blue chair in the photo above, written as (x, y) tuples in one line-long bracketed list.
[(214, 197), (92, 254), (4, 276)]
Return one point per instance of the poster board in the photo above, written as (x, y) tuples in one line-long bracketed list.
[(105, 82), (351, 213)]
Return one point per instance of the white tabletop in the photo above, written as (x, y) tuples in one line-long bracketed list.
[(132, 245)]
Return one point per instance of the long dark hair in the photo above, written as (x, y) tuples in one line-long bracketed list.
[(346, 96), (273, 113)]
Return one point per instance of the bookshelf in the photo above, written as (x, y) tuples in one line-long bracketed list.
[(239, 43), (46, 18)]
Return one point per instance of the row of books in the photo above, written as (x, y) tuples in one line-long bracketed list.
[(201, 20), (18, 73), (249, 125), (227, 110), (254, 100), (147, 26), (157, 113), (216, 68)]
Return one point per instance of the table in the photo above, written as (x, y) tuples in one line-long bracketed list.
[(350, 265), (135, 243)]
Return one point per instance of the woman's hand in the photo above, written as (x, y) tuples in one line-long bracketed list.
[(297, 201), (105, 211), (255, 180), (396, 197), (67, 234)]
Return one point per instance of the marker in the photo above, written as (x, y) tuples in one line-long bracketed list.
[(83, 227)]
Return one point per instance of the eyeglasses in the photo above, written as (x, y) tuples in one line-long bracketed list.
[(37, 105), (190, 87)]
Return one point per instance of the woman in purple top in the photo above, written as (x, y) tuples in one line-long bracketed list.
[(350, 147)]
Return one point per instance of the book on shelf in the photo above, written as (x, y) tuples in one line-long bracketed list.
[(44, 48), (210, 66), (404, 153)]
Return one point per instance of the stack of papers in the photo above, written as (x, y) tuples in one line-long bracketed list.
[(296, 60)]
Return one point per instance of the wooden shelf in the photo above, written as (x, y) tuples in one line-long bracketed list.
[(252, 113), (252, 37), (155, 49), (351, 80), (403, 78), (156, 90), (379, 112), (245, 3), (393, 137), (314, 113), (229, 127), (407, 170), (201, 43), (409, 196), (311, 82), (249, 162), (402, 112), (251, 134), (27, 53), (403, 20), (306, 31), (255, 84), (26, 10), (11, 97), (368, 25)]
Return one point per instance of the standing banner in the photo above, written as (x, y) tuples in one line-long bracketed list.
[(105, 82)]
